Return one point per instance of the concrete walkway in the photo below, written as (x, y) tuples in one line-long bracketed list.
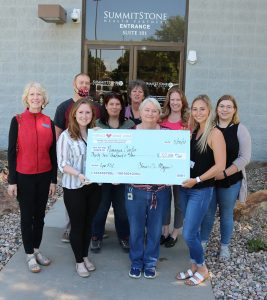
[(59, 281)]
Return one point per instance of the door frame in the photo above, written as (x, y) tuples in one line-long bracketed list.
[(134, 47)]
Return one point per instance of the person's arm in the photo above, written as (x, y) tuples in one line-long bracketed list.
[(58, 132), (12, 157), (244, 153), (53, 155), (59, 120), (63, 155), (217, 143)]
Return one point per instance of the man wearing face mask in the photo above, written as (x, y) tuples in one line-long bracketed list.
[(81, 86)]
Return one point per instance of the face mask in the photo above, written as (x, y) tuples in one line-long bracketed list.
[(84, 92)]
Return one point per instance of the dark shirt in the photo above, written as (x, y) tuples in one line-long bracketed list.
[(61, 118), (201, 162), (232, 150)]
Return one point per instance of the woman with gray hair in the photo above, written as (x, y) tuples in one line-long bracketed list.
[(146, 204), (32, 163)]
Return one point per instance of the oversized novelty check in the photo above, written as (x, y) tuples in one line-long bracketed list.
[(138, 156)]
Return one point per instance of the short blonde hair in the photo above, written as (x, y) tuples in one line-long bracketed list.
[(150, 100), (40, 88)]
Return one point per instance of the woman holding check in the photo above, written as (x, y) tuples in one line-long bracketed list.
[(207, 159), (81, 197), (146, 205)]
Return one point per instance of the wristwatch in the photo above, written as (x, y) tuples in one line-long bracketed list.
[(198, 179)]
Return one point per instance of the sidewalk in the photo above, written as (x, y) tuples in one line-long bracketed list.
[(59, 281)]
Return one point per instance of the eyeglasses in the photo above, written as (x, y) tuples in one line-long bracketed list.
[(228, 107)]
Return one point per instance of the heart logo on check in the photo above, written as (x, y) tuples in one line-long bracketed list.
[(108, 135)]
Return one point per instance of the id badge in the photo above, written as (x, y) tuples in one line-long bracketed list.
[(192, 163), (130, 194)]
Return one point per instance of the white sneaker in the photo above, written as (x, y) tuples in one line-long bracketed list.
[(81, 270), (224, 253)]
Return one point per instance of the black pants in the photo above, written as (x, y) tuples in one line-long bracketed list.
[(32, 196), (81, 205)]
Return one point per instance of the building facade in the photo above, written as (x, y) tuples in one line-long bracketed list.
[(205, 46)]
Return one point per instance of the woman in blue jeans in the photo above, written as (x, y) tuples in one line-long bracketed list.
[(228, 182), (146, 206), (207, 159), (112, 117)]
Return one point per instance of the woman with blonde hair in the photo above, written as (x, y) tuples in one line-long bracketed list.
[(231, 182), (207, 159), (81, 197), (175, 114), (32, 163)]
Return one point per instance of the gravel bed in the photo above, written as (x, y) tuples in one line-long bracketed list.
[(242, 277)]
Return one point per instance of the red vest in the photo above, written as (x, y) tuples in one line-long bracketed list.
[(34, 141)]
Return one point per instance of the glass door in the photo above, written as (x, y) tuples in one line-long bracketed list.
[(111, 67), (160, 68)]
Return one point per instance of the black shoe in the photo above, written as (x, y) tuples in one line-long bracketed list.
[(164, 239), (95, 245), (124, 245), (170, 242)]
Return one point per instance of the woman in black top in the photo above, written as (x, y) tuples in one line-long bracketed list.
[(230, 183), (207, 157)]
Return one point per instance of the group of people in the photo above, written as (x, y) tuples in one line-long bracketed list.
[(220, 148)]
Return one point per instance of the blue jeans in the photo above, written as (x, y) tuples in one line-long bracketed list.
[(144, 254), (111, 194), (225, 198), (194, 204)]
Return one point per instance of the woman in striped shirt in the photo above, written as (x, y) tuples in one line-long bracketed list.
[(81, 197)]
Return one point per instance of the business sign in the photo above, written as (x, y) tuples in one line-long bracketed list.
[(130, 20)]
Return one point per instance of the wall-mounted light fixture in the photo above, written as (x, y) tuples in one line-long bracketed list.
[(52, 13), (192, 57)]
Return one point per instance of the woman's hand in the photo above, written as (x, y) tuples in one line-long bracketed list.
[(12, 190), (52, 189), (219, 176), (189, 183), (83, 179)]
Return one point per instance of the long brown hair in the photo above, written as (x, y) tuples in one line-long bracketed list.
[(74, 129), (235, 119), (166, 111)]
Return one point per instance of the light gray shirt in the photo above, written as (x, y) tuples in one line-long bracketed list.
[(72, 153)]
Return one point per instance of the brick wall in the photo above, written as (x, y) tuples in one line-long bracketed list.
[(33, 50), (230, 38)]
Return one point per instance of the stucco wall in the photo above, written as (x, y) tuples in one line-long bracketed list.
[(230, 38), (33, 50)]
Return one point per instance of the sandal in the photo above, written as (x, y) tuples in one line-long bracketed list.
[(32, 264), (196, 279), (41, 259), (182, 276)]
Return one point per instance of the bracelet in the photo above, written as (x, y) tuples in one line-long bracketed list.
[(225, 175)]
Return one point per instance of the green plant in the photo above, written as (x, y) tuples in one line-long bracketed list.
[(256, 245)]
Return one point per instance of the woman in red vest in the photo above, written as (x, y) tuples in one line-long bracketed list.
[(32, 169)]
